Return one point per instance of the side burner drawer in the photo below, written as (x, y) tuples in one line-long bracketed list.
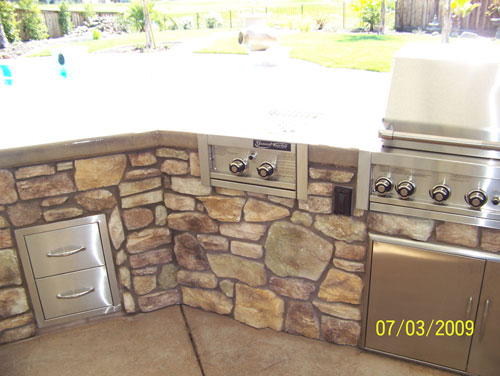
[(65, 250), (79, 291)]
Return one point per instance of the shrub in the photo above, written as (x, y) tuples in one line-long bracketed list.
[(33, 23), (8, 20), (88, 11), (136, 15), (65, 18), (368, 11), (96, 34), (213, 20), (185, 23)]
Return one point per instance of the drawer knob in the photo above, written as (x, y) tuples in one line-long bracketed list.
[(59, 253), (75, 294)]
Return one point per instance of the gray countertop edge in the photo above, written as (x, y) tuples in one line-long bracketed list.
[(77, 149)]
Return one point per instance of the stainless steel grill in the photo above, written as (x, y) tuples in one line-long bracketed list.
[(440, 157)]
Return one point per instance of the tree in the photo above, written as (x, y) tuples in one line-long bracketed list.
[(65, 18), (445, 31), (148, 28), (368, 11), (32, 20), (382, 17), (9, 21), (3, 39)]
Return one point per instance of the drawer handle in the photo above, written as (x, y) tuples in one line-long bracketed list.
[(65, 253), (76, 294)]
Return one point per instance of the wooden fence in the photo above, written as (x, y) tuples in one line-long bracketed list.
[(52, 21), (417, 14)]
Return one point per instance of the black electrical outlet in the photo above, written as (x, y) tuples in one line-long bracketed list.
[(342, 203)]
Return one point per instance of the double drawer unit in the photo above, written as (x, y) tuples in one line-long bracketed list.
[(69, 270)]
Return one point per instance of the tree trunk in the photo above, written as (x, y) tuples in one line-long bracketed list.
[(150, 42), (382, 18), (445, 33), (3, 39)]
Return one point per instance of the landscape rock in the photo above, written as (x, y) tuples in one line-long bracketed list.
[(335, 176), (229, 191), (157, 300), (415, 228), (22, 213), (349, 266), (96, 200), (179, 202), (121, 257), (128, 302), (301, 319), (44, 186), (8, 194), (194, 164), (142, 173), (315, 204), (130, 188), (288, 202), (261, 211), (9, 269), (161, 215), (52, 215), (32, 171), (137, 218), (294, 288), (213, 301), (197, 279), (115, 228), (213, 242), (349, 251), (246, 249), (292, 250), (189, 252), (148, 239), (63, 166), (17, 334), (99, 172), (145, 271), (16, 321), (144, 284), (229, 266), (172, 153), (340, 286), (174, 167), (339, 331), (192, 221), (54, 201), (5, 238), (3, 222), (141, 199), (227, 287), (142, 159), (168, 276), (13, 301), (301, 218), (454, 233), (190, 186), (124, 277), (490, 240), (341, 227), (225, 209), (156, 257), (320, 189), (258, 308), (248, 231), (344, 311)]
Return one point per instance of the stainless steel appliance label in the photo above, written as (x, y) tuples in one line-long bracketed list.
[(281, 146)]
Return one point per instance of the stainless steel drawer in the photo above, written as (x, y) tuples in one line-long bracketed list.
[(65, 250), (70, 293)]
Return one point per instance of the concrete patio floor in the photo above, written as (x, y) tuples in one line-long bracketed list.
[(186, 341)]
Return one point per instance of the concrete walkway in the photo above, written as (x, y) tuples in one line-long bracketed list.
[(186, 341)]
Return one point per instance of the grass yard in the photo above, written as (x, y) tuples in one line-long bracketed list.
[(355, 51)]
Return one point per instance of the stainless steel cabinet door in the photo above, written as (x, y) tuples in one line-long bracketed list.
[(484, 357), (410, 285)]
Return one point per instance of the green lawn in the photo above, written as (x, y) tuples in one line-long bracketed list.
[(356, 51)]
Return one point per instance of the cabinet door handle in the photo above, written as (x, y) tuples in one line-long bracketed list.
[(65, 253), (484, 318), (469, 308), (76, 294)]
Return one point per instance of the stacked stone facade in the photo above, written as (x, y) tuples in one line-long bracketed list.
[(266, 261)]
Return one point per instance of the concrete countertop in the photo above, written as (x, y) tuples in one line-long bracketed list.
[(111, 100)]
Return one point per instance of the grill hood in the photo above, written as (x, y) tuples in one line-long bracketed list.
[(445, 94)]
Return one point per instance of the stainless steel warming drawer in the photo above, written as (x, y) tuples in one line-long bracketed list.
[(69, 269)]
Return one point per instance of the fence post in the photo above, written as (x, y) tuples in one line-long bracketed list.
[(198, 20), (343, 15), (230, 19)]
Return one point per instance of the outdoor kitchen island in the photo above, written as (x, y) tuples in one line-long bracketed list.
[(269, 261)]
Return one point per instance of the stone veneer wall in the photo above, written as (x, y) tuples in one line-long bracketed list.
[(264, 260)]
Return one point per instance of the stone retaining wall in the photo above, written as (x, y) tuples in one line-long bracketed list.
[(266, 261)]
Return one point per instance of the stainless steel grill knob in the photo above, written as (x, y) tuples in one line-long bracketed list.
[(440, 193), (237, 166), (265, 170), (383, 185), (405, 189), (476, 198)]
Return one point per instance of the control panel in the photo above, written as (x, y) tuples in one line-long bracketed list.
[(270, 167)]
